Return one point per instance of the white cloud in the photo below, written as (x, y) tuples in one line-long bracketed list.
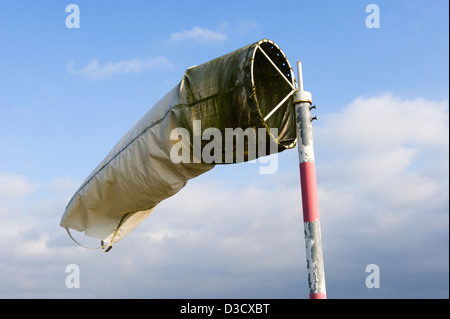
[(96, 71), (199, 35), (384, 140), (246, 26), (240, 27), (378, 123), (13, 186), (392, 153), (206, 36)]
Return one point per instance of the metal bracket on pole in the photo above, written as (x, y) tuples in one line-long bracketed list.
[(311, 220)]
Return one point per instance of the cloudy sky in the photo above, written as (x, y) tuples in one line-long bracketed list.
[(382, 149)]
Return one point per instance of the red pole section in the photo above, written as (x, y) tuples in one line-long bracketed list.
[(311, 220)]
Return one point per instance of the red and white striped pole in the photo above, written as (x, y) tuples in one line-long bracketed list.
[(311, 221)]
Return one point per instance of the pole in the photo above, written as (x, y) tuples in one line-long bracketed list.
[(311, 220)]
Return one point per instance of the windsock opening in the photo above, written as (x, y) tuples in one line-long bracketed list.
[(274, 83)]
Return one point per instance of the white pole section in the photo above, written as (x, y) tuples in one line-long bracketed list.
[(311, 221), (300, 75)]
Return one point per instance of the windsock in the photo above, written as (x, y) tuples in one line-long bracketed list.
[(250, 88)]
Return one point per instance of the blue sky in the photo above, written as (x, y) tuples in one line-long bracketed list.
[(382, 149)]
